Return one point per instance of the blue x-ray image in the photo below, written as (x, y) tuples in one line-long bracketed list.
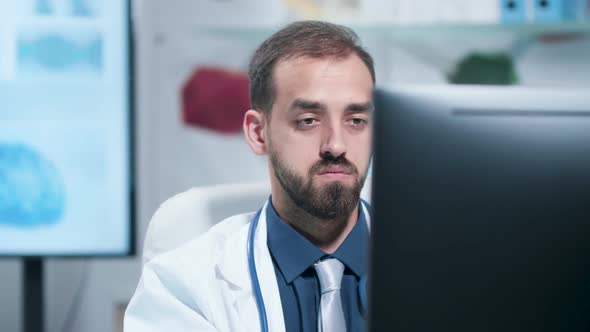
[(54, 52), (80, 8), (31, 189)]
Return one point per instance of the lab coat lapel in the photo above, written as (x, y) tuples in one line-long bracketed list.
[(267, 277), (233, 269), (232, 272), (365, 208)]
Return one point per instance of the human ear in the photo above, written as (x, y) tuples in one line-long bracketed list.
[(255, 131)]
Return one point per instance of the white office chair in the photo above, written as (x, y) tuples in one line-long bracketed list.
[(194, 211)]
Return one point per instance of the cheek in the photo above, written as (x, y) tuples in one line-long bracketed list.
[(360, 152), (294, 154), (299, 160), (298, 146)]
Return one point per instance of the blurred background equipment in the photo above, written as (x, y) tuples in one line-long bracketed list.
[(216, 99), (489, 69)]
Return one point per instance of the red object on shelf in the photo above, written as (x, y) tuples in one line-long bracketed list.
[(216, 99)]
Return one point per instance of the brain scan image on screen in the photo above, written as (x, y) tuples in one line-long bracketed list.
[(31, 189), (52, 52)]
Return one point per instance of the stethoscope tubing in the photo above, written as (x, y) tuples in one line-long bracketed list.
[(254, 275), (256, 289)]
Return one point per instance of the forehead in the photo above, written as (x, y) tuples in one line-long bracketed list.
[(309, 77)]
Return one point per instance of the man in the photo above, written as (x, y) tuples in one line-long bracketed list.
[(311, 90)]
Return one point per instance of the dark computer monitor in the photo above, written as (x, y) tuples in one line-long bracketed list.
[(481, 202)]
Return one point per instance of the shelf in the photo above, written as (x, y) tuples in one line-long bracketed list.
[(413, 32)]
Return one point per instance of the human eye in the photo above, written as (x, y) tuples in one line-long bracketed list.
[(306, 122), (358, 121)]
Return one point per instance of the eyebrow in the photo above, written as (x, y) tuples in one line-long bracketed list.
[(302, 104), (360, 108), (310, 105)]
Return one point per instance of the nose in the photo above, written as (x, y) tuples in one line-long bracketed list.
[(333, 143)]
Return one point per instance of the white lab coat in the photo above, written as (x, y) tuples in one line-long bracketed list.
[(205, 284)]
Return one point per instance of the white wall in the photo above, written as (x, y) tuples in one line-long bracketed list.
[(173, 157)]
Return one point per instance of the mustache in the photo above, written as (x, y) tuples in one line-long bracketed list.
[(330, 160)]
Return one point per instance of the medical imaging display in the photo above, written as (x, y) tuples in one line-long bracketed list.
[(65, 131)]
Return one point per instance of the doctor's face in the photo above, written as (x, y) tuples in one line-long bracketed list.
[(319, 132)]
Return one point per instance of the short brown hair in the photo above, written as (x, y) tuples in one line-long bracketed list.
[(314, 39)]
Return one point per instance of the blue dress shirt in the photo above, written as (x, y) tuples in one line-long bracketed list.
[(293, 258)]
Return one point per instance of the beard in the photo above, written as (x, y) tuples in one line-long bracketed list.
[(333, 201)]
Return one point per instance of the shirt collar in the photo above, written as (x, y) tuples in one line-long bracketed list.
[(294, 254)]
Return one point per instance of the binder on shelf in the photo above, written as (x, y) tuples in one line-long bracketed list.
[(513, 11), (466, 11), (558, 10)]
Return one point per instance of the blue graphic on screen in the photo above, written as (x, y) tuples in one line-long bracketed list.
[(79, 8), (43, 7), (56, 52), (31, 188)]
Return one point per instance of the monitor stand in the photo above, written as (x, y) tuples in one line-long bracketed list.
[(33, 299)]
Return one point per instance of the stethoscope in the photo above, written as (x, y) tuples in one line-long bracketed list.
[(362, 288)]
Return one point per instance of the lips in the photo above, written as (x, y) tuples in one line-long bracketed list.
[(335, 169)]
